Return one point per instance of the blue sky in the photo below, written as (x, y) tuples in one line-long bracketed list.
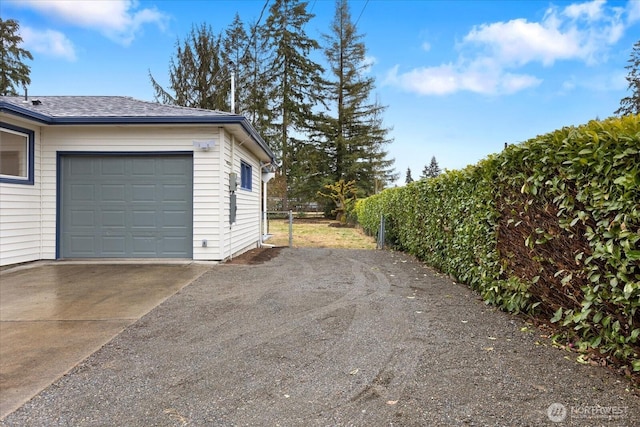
[(460, 78)]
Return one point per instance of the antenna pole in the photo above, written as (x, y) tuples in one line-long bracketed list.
[(233, 86), (233, 91)]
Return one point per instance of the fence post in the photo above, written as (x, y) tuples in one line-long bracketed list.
[(290, 228), (381, 230)]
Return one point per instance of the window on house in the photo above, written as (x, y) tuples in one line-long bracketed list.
[(245, 175), (16, 155)]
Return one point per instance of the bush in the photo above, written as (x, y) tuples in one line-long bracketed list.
[(549, 227)]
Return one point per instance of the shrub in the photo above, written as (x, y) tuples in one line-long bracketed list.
[(550, 227)]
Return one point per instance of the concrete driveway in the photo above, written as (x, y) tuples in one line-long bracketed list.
[(54, 315)]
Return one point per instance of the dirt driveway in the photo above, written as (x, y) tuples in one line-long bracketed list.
[(325, 337)]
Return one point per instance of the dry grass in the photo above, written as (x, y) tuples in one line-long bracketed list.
[(318, 233)]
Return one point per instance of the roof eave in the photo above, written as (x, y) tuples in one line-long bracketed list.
[(140, 120), (24, 113)]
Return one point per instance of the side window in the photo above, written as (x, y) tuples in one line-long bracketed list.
[(16, 154), (246, 173)]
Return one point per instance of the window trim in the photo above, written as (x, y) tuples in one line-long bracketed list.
[(30, 135), (246, 176)]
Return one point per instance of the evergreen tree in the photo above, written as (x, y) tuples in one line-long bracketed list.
[(408, 179), (631, 104), (425, 172), (296, 81), (431, 170), (258, 86), (198, 74), (434, 169), (13, 70), (354, 135), (234, 52)]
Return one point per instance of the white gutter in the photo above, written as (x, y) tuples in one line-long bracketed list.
[(266, 177)]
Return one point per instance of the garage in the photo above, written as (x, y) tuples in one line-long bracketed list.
[(133, 205), (113, 177)]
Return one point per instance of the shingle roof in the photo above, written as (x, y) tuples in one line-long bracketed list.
[(104, 106), (94, 110)]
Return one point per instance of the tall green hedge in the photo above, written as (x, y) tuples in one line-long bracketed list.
[(550, 226)]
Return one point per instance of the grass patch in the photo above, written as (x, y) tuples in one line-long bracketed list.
[(318, 233)]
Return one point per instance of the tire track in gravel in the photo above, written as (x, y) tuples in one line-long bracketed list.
[(319, 337), (280, 321), (375, 365)]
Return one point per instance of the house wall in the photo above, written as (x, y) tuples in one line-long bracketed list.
[(245, 232), (208, 198), (28, 213), (20, 214), (123, 139)]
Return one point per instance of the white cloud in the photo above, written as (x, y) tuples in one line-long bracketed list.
[(600, 82), (582, 31), (519, 42), (633, 11), (604, 82), (48, 42), (367, 64), (592, 11), (117, 19), (512, 83), (448, 79), (491, 53), (426, 46)]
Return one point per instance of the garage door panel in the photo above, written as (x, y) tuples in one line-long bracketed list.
[(112, 219), (82, 169), (131, 206), (145, 219), (144, 192), (112, 246), (172, 219), (112, 167), (167, 168), (82, 218), (112, 192), (172, 245), (175, 193), (82, 243), (145, 245), (141, 167), (82, 192)]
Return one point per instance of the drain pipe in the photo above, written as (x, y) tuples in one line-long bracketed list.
[(267, 175)]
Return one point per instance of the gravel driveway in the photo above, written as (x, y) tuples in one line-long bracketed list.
[(325, 337)]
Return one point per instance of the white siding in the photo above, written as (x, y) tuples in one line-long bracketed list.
[(244, 234), (28, 213), (207, 179), (20, 218), (123, 139)]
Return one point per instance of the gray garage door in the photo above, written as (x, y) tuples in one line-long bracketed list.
[(126, 206)]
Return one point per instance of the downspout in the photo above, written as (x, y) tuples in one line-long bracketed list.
[(266, 176), (233, 143)]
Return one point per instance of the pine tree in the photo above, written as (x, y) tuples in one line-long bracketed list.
[(631, 104), (408, 179), (234, 52), (198, 74), (295, 79), (258, 86), (434, 168), (13, 70), (431, 170), (354, 134), (425, 172)]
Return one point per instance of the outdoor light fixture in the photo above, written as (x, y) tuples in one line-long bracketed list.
[(204, 145)]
